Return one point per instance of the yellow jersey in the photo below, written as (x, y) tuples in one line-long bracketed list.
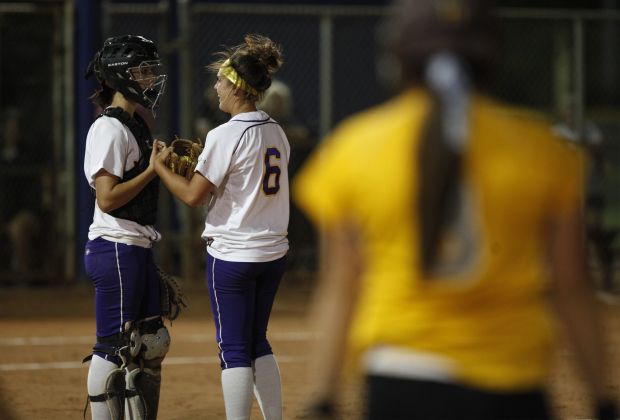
[(492, 319)]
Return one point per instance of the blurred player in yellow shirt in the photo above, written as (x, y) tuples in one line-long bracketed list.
[(451, 222)]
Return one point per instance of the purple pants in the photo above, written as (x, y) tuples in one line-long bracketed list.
[(242, 296), (126, 284)]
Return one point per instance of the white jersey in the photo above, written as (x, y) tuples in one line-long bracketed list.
[(247, 161), (110, 145)]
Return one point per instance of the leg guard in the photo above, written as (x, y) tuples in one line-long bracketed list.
[(136, 404), (148, 346), (142, 394), (114, 394), (106, 386)]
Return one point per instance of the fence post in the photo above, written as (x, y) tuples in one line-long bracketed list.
[(68, 126), (88, 39), (326, 46)]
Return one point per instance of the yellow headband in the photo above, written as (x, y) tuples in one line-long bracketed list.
[(231, 74)]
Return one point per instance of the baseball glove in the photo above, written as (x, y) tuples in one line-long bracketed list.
[(184, 157), (172, 297)]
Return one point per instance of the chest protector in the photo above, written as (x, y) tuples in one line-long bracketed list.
[(142, 208)]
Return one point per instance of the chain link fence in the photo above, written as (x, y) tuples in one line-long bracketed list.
[(31, 144), (564, 64)]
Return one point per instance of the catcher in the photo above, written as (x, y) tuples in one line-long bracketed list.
[(124, 376)]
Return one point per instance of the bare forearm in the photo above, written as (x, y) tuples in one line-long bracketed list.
[(332, 313), (584, 332), (333, 316), (123, 192), (179, 186), (574, 300)]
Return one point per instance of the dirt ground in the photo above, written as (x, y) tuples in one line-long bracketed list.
[(47, 332)]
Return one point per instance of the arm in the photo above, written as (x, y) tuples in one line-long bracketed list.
[(112, 194), (332, 310), (575, 304), (194, 192)]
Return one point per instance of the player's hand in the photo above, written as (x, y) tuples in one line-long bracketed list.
[(158, 159), (158, 147), (163, 156)]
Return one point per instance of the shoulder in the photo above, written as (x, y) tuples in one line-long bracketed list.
[(528, 134), (393, 115), (108, 123), (227, 130), (107, 128), (252, 120), (237, 126), (528, 124), (380, 127)]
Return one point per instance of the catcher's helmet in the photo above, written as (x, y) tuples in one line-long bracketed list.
[(130, 65)]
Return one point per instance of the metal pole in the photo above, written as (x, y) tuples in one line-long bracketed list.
[(185, 68), (189, 261), (562, 74), (579, 88), (106, 18), (69, 137), (579, 76), (87, 41), (326, 46), (326, 71)]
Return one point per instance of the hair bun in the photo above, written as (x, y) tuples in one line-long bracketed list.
[(268, 53)]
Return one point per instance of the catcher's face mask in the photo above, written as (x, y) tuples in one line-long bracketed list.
[(149, 76)]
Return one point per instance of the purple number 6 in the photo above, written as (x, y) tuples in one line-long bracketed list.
[(271, 170)]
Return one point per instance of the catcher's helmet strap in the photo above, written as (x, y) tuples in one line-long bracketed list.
[(118, 113)]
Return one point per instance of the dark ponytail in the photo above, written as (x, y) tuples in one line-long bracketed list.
[(103, 96), (448, 47), (443, 140)]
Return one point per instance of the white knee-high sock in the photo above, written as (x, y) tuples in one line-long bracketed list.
[(237, 387), (267, 387), (97, 375)]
